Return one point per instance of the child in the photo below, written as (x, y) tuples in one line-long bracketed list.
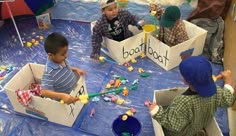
[(113, 24), (59, 78), (190, 112), (172, 29)]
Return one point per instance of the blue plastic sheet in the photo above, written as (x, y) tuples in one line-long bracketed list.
[(79, 35)]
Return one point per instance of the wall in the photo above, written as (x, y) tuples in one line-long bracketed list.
[(230, 43)]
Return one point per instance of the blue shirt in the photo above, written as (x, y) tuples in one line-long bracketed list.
[(58, 78)]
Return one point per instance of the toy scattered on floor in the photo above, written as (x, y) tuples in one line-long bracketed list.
[(5, 71), (135, 82), (134, 87), (120, 101), (125, 91), (92, 112), (103, 59), (96, 99), (144, 74), (131, 112), (142, 55), (133, 60), (117, 83), (126, 64), (130, 68), (140, 70), (29, 44)]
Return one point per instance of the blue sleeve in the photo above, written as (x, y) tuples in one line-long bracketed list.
[(47, 83)]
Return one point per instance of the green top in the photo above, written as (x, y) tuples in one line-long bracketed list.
[(190, 113)]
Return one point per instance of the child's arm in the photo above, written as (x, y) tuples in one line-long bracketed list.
[(96, 41), (68, 99), (78, 71)]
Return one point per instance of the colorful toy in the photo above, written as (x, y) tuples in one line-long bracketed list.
[(115, 76), (125, 91), (111, 82), (144, 74), (103, 59), (108, 86), (107, 99), (142, 55), (92, 112), (140, 70), (95, 99), (135, 82), (131, 112), (133, 60), (29, 44), (117, 83), (126, 64), (130, 68), (120, 101)]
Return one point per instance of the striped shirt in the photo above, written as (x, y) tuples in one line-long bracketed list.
[(58, 78), (189, 113)]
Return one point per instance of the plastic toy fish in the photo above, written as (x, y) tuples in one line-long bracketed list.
[(135, 81), (92, 112)]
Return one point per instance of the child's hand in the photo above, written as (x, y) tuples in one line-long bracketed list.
[(68, 99), (152, 106), (227, 77)]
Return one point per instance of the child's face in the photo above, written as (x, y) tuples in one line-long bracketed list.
[(152, 7), (110, 11), (60, 56)]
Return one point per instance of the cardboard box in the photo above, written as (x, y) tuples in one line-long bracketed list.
[(44, 21), (165, 56), (125, 50), (169, 57), (164, 97), (43, 108)]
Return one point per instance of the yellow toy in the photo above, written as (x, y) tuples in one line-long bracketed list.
[(130, 68), (133, 60), (29, 44), (140, 70), (142, 55)]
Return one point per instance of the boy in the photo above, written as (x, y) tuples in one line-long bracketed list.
[(172, 29), (190, 112), (113, 24), (59, 78)]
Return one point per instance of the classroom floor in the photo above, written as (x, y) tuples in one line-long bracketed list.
[(78, 34)]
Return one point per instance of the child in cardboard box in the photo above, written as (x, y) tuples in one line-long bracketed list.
[(172, 29), (190, 112), (59, 78), (113, 24)]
